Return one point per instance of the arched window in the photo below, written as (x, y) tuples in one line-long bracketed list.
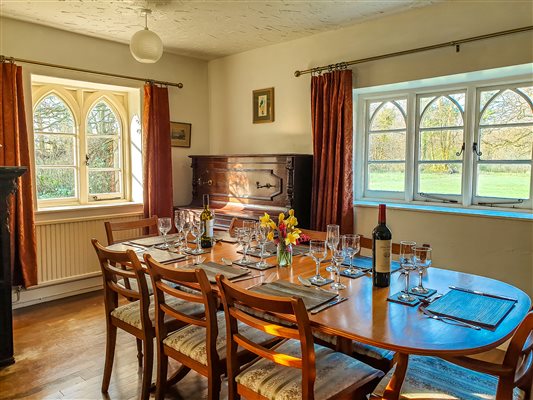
[(82, 143), (505, 142), (440, 140), (55, 149), (103, 152), (386, 145)]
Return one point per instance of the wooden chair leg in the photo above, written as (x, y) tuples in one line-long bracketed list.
[(162, 368), (147, 367), (140, 352), (178, 375), (111, 340), (213, 387)]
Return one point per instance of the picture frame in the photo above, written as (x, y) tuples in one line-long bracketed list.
[(263, 105), (180, 134)]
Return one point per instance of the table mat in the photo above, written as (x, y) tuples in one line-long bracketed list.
[(395, 298), (153, 240), (365, 263), (311, 297), (471, 307), (225, 237), (256, 252), (254, 265), (212, 269), (124, 247), (162, 256)]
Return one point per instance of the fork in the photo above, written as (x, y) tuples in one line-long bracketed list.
[(446, 319)]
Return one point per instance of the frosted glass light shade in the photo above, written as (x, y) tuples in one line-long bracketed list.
[(146, 46)]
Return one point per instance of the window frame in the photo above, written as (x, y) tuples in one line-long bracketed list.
[(80, 100), (412, 90)]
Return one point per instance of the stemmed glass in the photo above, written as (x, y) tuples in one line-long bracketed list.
[(164, 225), (178, 223), (351, 244), (317, 249), (337, 255), (196, 230), (422, 259), (332, 240), (261, 234), (186, 228), (247, 234), (407, 253)]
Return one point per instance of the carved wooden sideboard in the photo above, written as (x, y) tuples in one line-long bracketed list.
[(8, 185), (246, 186)]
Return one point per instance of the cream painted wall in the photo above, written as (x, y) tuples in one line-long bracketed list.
[(498, 248), (190, 104)]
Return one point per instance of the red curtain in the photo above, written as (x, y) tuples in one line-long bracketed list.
[(15, 152), (331, 108), (157, 157)]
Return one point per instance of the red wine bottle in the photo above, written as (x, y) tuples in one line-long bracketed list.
[(381, 250)]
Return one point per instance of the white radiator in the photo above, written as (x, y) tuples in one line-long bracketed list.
[(64, 249)]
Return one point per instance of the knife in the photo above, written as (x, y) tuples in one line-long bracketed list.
[(496, 296), (328, 305)]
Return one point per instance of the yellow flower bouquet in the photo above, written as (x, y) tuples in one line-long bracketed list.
[(288, 235)]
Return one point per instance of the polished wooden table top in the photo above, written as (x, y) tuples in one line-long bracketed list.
[(368, 317)]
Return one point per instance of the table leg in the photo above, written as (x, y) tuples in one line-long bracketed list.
[(392, 392)]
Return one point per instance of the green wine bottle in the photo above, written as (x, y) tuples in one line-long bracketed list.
[(207, 220)]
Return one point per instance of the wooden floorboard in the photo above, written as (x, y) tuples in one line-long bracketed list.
[(59, 352)]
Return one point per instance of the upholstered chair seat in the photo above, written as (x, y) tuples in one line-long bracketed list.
[(191, 340), (131, 314), (434, 378), (334, 373)]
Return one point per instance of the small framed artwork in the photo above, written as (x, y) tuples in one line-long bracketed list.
[(263, 105), (180, 134)]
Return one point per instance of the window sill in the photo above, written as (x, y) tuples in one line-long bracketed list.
[(525, 215), (85, 212)]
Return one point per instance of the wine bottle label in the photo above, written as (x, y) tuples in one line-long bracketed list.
[(383, 250), (209, 228)]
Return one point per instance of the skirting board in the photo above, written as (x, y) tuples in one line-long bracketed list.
[(49, 292)]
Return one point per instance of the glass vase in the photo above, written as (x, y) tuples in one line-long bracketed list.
[(284, 253)]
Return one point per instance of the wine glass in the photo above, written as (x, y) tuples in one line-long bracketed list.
[(196, 230), (407, 252), (246, 237), (164, 225), (422, 260), (317, 249), (261, 233), (186, 228), (178, 223), (332, 241), (351, 244), (337, 255)]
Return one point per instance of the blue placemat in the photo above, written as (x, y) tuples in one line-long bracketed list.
[(471, 307), (365, 263)]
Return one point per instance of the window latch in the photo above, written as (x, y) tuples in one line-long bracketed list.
[(87, 158), (475, 150), (462, 150)]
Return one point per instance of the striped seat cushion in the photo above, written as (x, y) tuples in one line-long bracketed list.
[(131, 314), (434, 378), (335, 372), (191, 340)]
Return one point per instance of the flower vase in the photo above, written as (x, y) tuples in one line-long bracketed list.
[(284, 253)]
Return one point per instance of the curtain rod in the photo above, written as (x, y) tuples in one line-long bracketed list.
[(134, 78), (456, 43)]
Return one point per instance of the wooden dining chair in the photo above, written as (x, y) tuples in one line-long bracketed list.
[(137, 317), (467, 378), (201, 346), (294, 369), (148, 226)]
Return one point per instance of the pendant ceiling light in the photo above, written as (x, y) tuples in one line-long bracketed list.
[(145, 46)]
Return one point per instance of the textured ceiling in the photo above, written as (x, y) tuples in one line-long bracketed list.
[(204, 29)]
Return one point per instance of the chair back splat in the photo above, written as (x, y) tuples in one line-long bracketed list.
[(236, 303), (148, 226)]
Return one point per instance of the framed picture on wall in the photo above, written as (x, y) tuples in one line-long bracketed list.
[(180, 134), (263, 105)]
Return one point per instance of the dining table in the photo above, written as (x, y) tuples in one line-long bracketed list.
[(368, 317)]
